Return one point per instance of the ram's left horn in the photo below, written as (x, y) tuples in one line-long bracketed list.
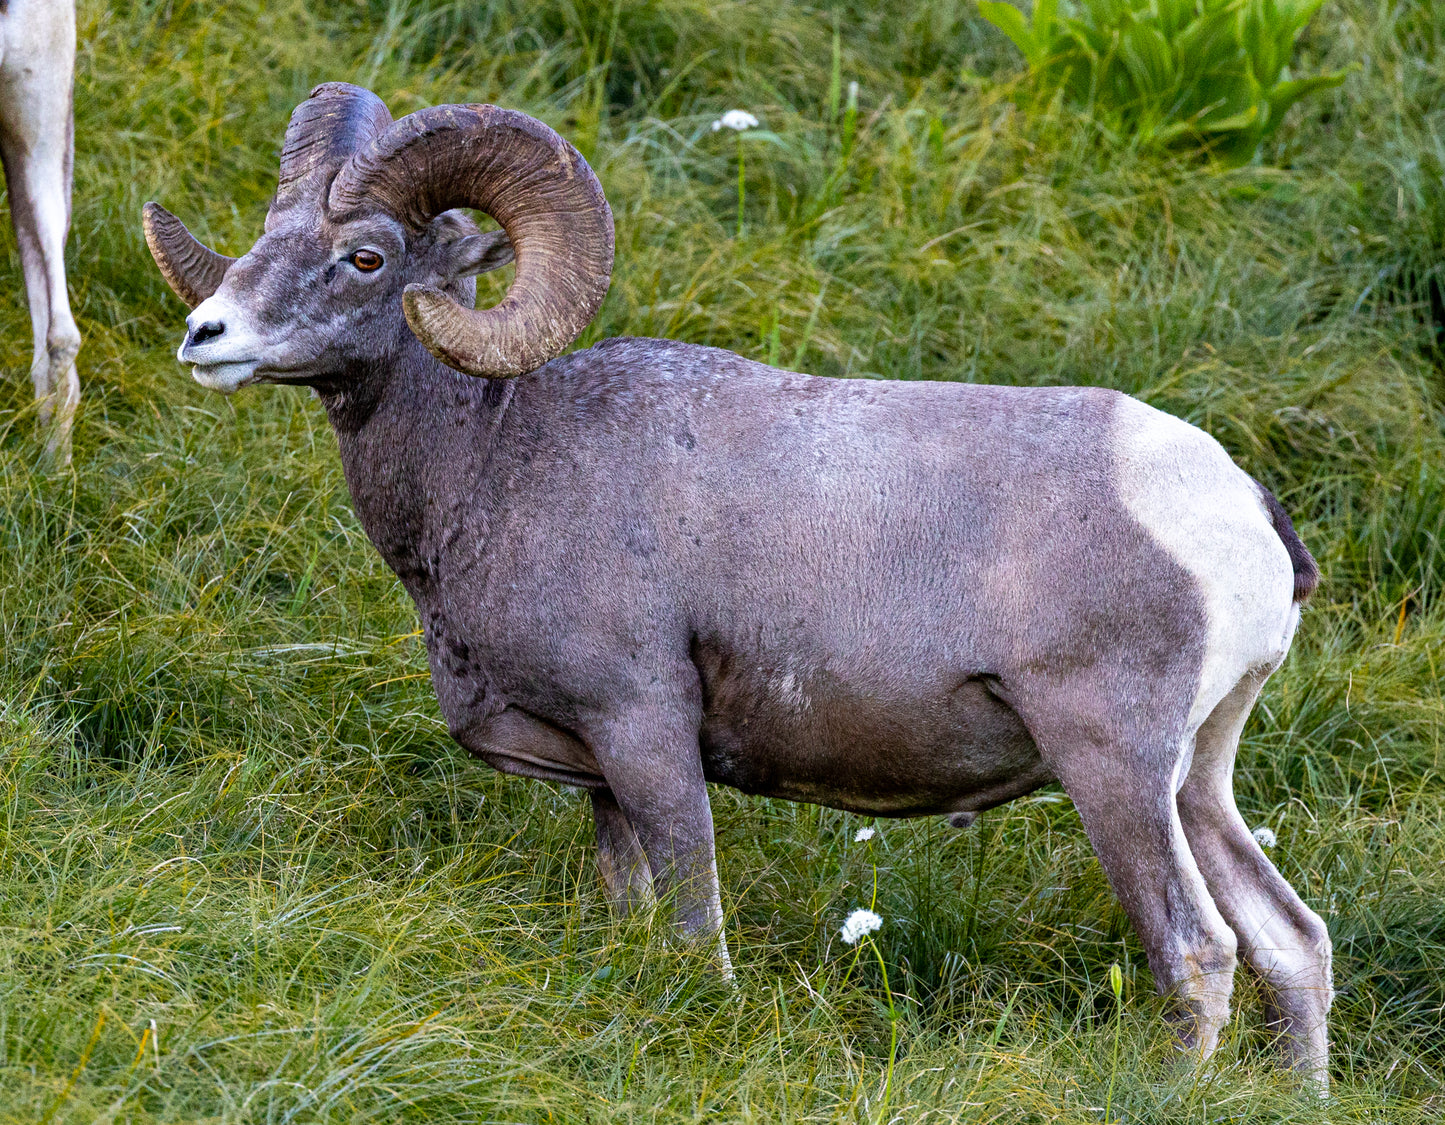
[(191, 268)]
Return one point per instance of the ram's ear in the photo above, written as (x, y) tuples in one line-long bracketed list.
[(478, 253)]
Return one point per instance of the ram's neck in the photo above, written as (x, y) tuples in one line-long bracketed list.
[(413, 441)]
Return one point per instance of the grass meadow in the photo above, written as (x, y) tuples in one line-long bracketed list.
[(246, 877)]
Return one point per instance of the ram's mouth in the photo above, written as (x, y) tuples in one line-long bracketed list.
[(230, 377), (226, 377)]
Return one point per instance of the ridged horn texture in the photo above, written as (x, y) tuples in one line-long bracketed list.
[(191, 268), (535, 185), (336, 120)]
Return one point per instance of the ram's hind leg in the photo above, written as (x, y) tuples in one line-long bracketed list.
[(1121, 779), (1283, 941)]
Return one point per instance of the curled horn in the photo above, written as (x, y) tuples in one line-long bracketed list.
[(191, 268), (324, 131), (336, 120), (535, 185)]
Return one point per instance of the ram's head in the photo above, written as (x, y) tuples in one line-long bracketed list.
[(362, 231)]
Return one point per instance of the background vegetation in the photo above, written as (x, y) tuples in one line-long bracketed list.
[(1211, 73), (244, 877)]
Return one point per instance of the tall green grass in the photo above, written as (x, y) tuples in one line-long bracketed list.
[(244, 877)]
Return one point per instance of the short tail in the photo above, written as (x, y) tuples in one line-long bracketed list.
[(1306, 572)]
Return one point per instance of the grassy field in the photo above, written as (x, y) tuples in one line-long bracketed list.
[(244, 875)]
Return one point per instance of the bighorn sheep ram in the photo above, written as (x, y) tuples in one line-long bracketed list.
[(37, 145), (650, 565)]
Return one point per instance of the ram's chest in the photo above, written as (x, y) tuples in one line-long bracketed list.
[(460, 670), (485, 650), (448, 579)]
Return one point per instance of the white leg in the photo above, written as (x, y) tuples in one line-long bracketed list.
[(36, 144)]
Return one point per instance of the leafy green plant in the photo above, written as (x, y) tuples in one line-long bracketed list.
[(1213, 73)]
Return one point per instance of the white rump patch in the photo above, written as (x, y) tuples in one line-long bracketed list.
[(1198, 505)]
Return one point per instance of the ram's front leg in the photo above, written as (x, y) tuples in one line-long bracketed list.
[(620, 859), (654, 769)]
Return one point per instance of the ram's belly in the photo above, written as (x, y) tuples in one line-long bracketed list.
[(958, 749)]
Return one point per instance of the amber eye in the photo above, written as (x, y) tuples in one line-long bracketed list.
[(366, 260)]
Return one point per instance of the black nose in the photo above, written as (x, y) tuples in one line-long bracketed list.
[(208, 331)]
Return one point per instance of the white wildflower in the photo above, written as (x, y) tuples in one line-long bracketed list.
[(859, 925), (1264, 837), (735, 119), (863, 834)]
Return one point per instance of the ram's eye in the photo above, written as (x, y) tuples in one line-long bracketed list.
[(366, 260)]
